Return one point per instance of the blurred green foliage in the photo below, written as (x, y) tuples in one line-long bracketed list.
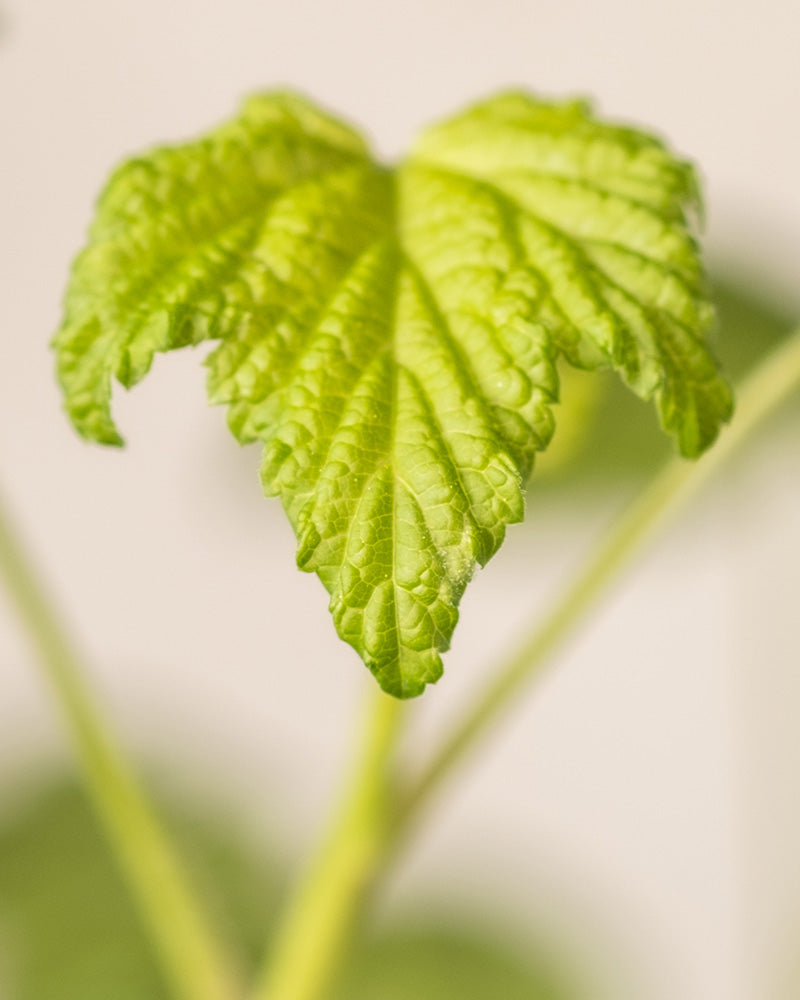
[(443, 962), (69, 932), (67, 927)]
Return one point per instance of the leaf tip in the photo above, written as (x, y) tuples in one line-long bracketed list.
[(404, 680)]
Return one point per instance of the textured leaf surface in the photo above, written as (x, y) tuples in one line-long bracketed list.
[(391, 336)]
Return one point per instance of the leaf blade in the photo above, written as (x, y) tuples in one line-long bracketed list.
[(392, 336)]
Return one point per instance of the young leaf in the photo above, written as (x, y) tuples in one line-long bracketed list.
[(391, 336)]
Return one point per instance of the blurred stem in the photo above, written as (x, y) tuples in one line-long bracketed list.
[(773, 381), (189, 953), (324, 911)]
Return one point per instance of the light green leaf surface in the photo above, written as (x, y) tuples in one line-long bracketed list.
[(391, 336)]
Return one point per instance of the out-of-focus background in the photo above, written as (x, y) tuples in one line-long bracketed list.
[(632, 831)]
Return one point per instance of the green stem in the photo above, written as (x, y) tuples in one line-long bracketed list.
[(323, 914), (762, 392), (189, 953)]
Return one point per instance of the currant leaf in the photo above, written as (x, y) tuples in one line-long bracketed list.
[(391, 335)]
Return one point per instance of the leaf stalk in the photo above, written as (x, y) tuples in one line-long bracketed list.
[(323, 914)]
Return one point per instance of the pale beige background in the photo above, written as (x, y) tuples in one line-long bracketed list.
[(643, 801)]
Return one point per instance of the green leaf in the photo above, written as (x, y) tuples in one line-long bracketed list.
[(607, 439), (391, 336)]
